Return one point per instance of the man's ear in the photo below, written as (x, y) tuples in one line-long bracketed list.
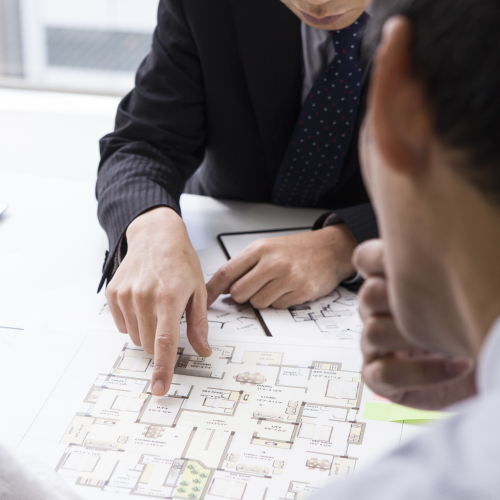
[(401, 119)]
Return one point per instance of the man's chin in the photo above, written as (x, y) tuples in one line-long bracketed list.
[(326, 23)]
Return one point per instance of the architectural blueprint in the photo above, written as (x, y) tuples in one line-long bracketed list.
[(333, 317), (259, 419), (226, 315), (249, 429)]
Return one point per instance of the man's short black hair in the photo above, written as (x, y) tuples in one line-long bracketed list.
[(456, 56)]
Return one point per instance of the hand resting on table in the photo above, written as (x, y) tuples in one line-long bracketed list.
[(287, 270)]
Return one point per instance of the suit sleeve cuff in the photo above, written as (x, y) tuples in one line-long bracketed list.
[(360, 220)]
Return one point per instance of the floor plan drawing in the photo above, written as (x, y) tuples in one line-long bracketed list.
[(227, 315), (245, 424), (334, 317)]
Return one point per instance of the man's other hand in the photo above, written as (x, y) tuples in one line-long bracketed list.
[(393, 367), (159, 279), (287, 270)]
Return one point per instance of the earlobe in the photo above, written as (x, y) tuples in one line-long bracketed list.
[(400, 115)]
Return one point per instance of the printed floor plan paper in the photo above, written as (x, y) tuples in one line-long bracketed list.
[(229, 317), (259, 419), (334, 317)]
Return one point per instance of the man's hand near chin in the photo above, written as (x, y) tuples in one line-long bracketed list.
[(393, 367), (159, 279), (287, 270)]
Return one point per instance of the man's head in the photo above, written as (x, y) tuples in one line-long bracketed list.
[(431, 159), (327, 14)]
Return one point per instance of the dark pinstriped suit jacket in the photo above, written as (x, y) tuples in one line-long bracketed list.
[(221, 88)]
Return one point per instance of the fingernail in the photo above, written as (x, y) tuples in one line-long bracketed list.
[(159, 388), (207, 346), (457, 366)]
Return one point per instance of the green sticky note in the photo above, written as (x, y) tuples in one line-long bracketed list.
[(388, 412)]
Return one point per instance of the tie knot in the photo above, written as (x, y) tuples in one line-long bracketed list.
[(346, 41)]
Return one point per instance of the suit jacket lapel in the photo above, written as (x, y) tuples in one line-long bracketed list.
[(270, 44)]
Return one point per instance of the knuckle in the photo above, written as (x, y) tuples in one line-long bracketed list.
[(141, 294), (295, 275), (148, 348), (167, 296), (259, 303), (237, 294), (135, 338), (374, 374), (275, 264), (371, 379), (165, 342), (224, 273), (199, 325), (238, 298), (111, 291), (381, 374), (278, 304), (373, 331), (122, 295), (260, 245), (307, 293), (371, 292)]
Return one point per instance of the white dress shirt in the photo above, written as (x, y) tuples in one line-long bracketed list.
[(457, 459), (317, 53)]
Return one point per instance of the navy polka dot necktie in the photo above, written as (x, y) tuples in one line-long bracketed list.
[(323, 134)]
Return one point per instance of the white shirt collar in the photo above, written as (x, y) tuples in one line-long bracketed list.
[(488, 377)]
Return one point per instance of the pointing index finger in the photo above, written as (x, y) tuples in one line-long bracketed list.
[(166, 344)]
